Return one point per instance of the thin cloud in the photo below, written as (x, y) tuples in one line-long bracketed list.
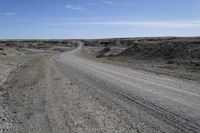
[(74, 7), (108, 2), (153, 24), (8, 14)]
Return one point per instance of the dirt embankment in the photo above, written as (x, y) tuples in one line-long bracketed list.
[(22, 65), (172, 56), (19, 100), (14, 53)]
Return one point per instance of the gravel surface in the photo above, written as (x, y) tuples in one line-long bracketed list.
[(66, 93)]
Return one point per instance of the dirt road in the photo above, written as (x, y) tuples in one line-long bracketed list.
[(67, 93)]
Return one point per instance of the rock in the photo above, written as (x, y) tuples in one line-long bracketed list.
[(170, 62), (105, 50), (100, 56), (195, 63), (103, 53), (4, 54), (57, 78)]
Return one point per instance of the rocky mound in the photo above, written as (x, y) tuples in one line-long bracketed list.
[(168, 50), (103, 53), (186, 53)]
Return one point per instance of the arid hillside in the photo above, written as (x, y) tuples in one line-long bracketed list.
[(171, 54)]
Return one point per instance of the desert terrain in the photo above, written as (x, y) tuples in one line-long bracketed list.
[(179, 57), (125, 85)]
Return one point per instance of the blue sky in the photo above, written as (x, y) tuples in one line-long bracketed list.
[(64, 19)]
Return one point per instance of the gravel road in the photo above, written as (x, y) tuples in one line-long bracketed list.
[(67, 93), (175, 101)]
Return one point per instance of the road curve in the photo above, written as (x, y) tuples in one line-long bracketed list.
[(175, 101)]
